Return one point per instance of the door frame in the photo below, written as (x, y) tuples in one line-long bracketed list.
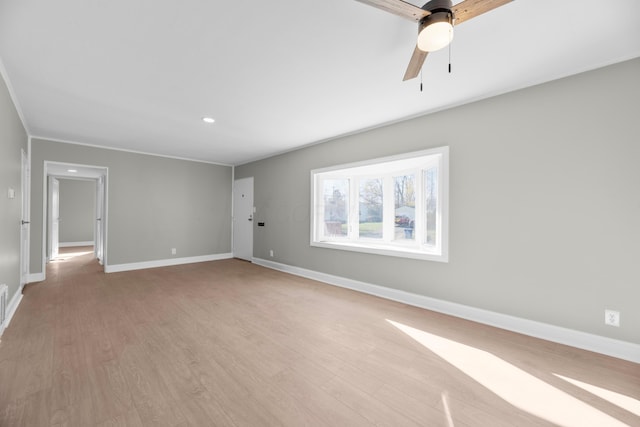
[(25, 228), (57, 169), (53, 217), (100, 225), (236, 218)]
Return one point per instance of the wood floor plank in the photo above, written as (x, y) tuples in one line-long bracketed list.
[(150, 396), (229, 343), (373, 410), (128, 419)]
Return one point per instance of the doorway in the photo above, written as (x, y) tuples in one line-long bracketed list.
[(243, 218), (93, 178)]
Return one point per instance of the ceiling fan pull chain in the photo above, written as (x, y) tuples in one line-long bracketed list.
[(450, 57)]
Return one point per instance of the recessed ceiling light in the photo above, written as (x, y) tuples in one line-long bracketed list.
[(72, 170), (208, 119)]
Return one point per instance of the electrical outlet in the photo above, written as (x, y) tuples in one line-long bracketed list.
[(271, 252), (173, 251), (612, 318)]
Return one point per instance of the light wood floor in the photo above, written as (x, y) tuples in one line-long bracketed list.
[(231, 343)]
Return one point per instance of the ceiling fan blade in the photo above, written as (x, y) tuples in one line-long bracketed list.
[(468, 9), (415, 64), (399, 7)]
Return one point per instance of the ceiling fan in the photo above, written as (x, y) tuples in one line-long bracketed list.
[(435, 23)]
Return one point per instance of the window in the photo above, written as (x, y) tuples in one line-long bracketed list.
[(393, 206)]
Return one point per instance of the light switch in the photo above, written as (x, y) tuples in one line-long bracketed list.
[(11, 193)]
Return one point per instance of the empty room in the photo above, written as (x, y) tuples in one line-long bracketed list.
[(338, 213)]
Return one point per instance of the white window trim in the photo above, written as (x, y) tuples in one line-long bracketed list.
[(439, 253)]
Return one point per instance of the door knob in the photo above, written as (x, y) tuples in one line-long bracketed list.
[(23, 222)]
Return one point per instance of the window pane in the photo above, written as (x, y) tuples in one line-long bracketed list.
[(431, 199), (405, 206), (370, 208), (336, 206)]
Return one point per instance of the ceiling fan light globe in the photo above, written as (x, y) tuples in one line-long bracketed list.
[(435, 36)]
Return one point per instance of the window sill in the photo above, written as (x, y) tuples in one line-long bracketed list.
[(395, 251)]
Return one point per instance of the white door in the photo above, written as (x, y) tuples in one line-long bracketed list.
[(243, 218), (24, 223), (100, 220), (54, 217)]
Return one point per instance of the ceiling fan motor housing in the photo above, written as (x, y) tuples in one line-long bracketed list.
[(437, 4), (437, 15), (441, 10)]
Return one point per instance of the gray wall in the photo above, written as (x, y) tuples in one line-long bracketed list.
[(13, 138), (77, 210), (154, 203), (544, 203)]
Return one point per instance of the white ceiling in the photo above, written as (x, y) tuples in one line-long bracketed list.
[(276, 75)]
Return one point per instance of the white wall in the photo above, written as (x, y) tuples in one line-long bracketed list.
[(13, 138), (77, 210), (154, 203), (545, 203)]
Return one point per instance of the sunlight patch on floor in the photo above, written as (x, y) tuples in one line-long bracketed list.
[(70, 255), (625, 402), (447, 411), (511, 383)]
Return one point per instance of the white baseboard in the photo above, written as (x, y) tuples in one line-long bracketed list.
[(35, 277), (596, 343), (72, 244), (164, 262), (11, 309)]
